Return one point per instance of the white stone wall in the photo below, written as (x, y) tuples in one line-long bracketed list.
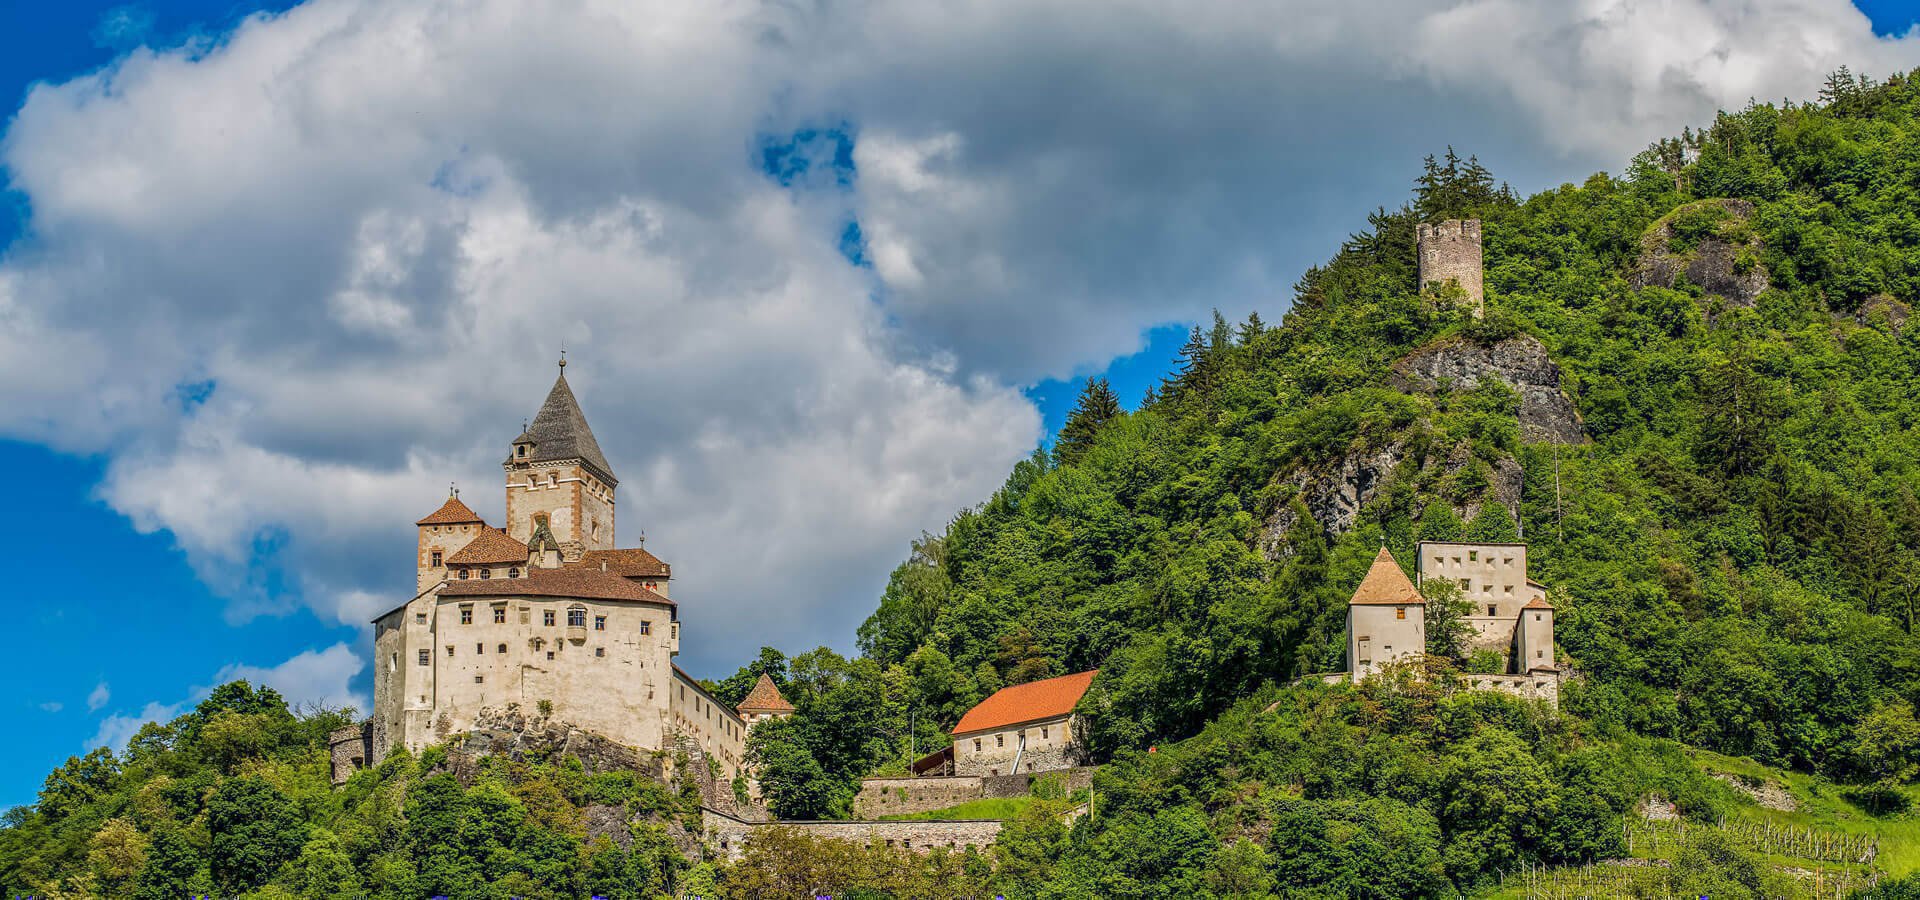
[(1379, 634), (1534, 646), (729, 836), (447, 540), (1493, 577), (1050, 745), (696, 715)]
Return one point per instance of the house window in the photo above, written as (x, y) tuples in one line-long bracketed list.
[(466, 615), (426, 658), (449, 649), (463, 573), (1539, 654), (600, 652), (486, 573), (479, 679), (501, 649), (1490, 609), (1043, 732), (546, 618), (599, 623), (1536, 617), (976, 745), (1465, 584), (500, 615), (480, 648), (419, 618), (434, 559), (999, 740), (521, 451), (1399, 612), (1473, 556), (577, 617), (549, 654), (513, 572), (646, 626)]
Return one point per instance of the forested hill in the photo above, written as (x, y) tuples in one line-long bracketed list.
[(1735, 553)]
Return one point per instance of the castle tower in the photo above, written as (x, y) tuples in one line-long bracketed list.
[(1386, 619), (556, 474), (442, 533), (764, 702), (1533, 637), (1450, 253)]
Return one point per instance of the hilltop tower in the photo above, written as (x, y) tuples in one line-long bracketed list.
[(556, 474), (1386, 619), (443, 533), (1450, 252)]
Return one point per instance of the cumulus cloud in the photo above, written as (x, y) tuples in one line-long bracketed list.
[(292, 281), (312, 678), (98, 697)]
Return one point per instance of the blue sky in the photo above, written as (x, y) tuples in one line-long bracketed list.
[(969, 248)]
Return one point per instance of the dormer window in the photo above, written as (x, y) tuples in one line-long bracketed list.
[(520, 450)]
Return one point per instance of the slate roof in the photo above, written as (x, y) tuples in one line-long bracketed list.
[(1386, 585), (579, 584), (452, 512), (560, 431), (633, 562), (1047, 699), (492, 546), (765, 697)]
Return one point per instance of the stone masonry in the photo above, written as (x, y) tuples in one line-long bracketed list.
[(904, 796), (1450, 252), (729, 836)]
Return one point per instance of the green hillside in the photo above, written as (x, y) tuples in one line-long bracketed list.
[(1732, 541)]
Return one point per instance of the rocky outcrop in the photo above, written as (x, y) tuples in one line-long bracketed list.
[(1334, 494), (516, 735), (1519, 362), (1723, 262), (1884, 307)]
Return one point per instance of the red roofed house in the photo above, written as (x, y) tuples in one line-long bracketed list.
[(544, 616), (1025, 728)]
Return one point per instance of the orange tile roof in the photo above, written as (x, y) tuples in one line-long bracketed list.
[(452, 512), (765, 697), (579, 584), (492, 546), (1538, 603), (633, 562), (1386, 585), (1047, 699)]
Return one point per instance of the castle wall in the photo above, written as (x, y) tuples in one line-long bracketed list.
[(446, 540), (695, 714), (730, 836), (1050, 746), (1377, 634), (578, 505), (349, 749), (1451, 251), (604, 675), (1493, 577), (1534, 643), (903, 796), (1528, 686)]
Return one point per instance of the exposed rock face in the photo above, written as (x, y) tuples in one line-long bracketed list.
[(1335, 494), (1714, 263), (1883, 306), (1520, 362), (516, 735)]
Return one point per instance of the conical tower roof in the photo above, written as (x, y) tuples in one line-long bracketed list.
[(1386, 585), (560, 432), (765, 697)]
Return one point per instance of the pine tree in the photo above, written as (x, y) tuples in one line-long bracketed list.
[(1098, 405)]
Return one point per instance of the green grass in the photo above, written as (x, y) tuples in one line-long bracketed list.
[(1823, 806), (1002, 809)]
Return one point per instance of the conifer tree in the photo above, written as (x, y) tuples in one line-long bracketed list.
[(1097, 406)]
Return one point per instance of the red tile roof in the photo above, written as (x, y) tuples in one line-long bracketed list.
[(1030, 702), (452, 512), (765, 697), (633, 562), (491, 547), (1538, 603), (579, 584), (1386, 585)]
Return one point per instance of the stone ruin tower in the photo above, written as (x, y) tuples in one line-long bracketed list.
[(1450, 252)]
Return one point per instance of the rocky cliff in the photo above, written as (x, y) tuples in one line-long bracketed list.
[(1519, 362), (1712, 244)]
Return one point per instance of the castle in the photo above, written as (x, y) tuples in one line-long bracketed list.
[(1509, 614), (545, 616), (1449, 253)]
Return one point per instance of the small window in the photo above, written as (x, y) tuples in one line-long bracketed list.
[(1465, 584), (1508, 561), (513, 572), (600, 652), (1490, 609), (646, 627), (1536, 617), (500, 649), (976, 745), (479, 679), (466, 615), (549, 654), (1539, 654), (419, 618), (434, 559), (1473, 556), (1486, 589), (546, 618), (1399, 612), (486, 574), (599, 623), (449, 649), (500, 615), (577, 617), (426, 658), (1507, 589), (463, 573), (1043, 732), (480, 649), (520, 451), (999, 740)]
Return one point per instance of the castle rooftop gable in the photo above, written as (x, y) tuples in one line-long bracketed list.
[(569, 584), (633, 562), (491, 547), (1386, 585), (765, 697), (452, 512), (560, 432)]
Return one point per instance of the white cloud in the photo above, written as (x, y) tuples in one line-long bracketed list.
[(98, 697), (308, 679), (370, 226), (52, 706)]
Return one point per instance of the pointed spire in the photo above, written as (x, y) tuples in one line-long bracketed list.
[(1386, 584), (559, 431)]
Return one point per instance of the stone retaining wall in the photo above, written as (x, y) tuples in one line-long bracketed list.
[(729, 836), (902, 796)]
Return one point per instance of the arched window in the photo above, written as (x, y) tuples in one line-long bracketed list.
[(576, 617), (513, 572), (463, 573), (552, 479), (486, 574)]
